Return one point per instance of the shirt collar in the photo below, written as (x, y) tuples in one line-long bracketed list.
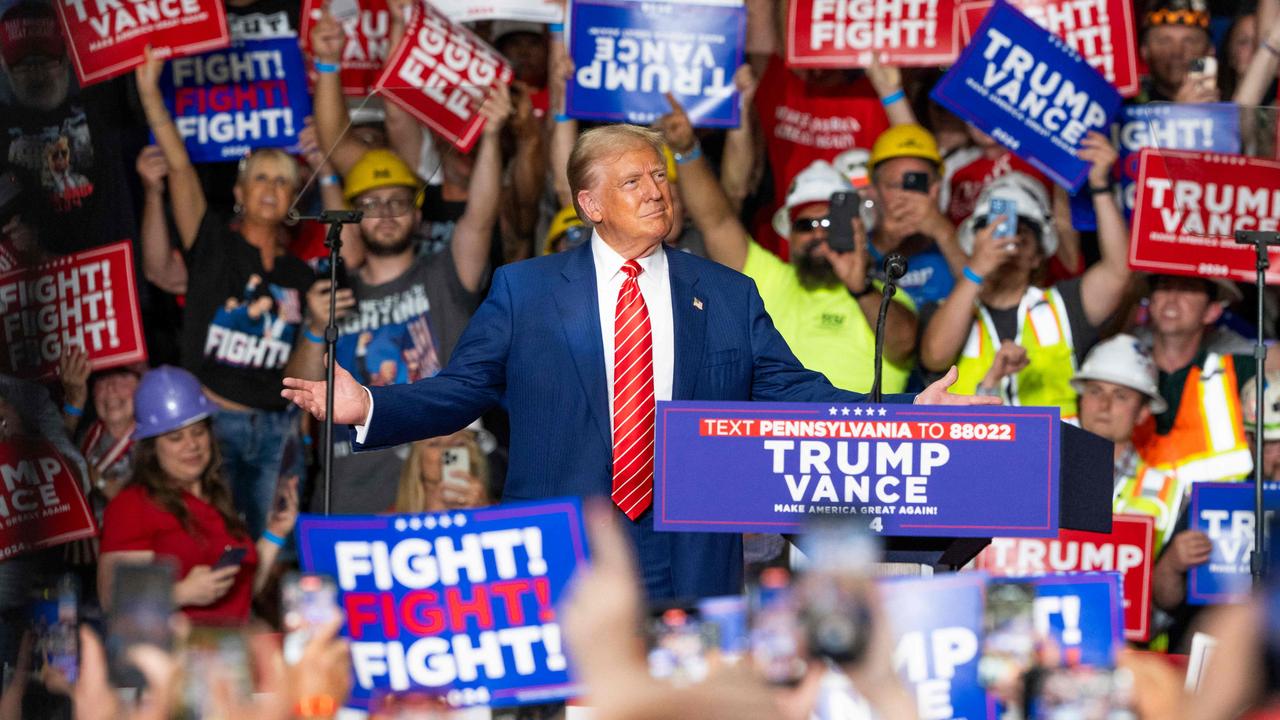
[(609, 263)]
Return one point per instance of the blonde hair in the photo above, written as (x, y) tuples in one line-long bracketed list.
[(282, 158), (411, 495), (602, 142)]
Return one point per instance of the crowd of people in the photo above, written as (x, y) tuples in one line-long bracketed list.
[(197, 454)]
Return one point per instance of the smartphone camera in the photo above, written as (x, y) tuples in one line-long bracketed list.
[(779, 649), (834, 588), (916, 182)]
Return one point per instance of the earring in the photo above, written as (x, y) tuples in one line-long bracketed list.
[(238, 209)]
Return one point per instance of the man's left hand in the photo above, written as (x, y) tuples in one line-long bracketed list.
[(937, 393)]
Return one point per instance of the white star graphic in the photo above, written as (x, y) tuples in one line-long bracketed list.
[(459, 520), (844, 411), (832, 411), (429, 523), (857, 411), (882, 412), (414, 523), (400, 524), (445, 521)]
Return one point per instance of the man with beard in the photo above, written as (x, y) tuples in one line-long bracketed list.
[(425, 300), (823, 302)]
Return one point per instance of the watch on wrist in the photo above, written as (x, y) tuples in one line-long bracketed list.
[(1101, 189), (865, 291)]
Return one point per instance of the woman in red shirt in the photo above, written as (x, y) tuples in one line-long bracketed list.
[(177, 505)]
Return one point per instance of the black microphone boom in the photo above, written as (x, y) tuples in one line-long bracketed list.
[(894, 266)]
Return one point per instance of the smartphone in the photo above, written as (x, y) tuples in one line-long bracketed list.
[(834, 587), (309, 602), (725, 621), (231, 556), (843, 209), (55, 618), (1008, 227), (1207, 66), (679, 647), (1082, 693), (779, 649), (216, 659), (322, 271), (141, 606), (343, 10), (1009, 636), (454, 463), (916, 182)]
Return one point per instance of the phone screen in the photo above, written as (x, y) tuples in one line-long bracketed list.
[(1009, 636), (1009, 210), (778, 645), (55, 620), (215, 657), (678, 646), (231, 556), (843, 208), (310, 602), (141, 605)]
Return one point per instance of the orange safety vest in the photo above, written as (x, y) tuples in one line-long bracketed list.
[(1207, 440)]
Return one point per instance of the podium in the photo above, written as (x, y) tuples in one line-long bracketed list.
[(936, 482)]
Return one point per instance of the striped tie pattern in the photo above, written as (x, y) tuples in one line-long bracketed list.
[(633, 401)]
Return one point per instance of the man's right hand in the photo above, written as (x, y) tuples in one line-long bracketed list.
[(327, 39), (350, 401), (1188, 549)]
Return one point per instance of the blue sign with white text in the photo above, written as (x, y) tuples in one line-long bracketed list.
[(628, 54), (1169, 126), (1083, 614), (1030, 90), (229, 102), (937, 640), (909, 469), (459, 604), (1225, 512)]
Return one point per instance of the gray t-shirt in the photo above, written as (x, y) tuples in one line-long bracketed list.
[(401, 331)]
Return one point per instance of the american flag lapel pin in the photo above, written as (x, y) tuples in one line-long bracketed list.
[(697, 303)]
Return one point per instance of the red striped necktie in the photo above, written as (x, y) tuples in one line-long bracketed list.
[(633, 401)]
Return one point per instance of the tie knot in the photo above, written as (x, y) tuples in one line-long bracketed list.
[(632, 269)]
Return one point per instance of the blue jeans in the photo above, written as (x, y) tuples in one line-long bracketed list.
[(253, 446)]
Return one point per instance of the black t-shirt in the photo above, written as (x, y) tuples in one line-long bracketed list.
[(70, 161), (1083, 335), (240, 320)]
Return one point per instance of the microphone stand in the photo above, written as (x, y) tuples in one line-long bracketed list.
[(894, 266), (335, 219), (1260, 242)]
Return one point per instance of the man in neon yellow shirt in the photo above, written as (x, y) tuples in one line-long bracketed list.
[(823, 302)]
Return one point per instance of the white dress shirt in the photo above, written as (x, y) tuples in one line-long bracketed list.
[(655, 287)]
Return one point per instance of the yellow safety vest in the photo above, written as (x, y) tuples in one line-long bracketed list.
[(1158, 492), (1045, 332)]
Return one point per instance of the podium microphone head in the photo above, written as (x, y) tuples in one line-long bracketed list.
[(895, 266), (293, 217)]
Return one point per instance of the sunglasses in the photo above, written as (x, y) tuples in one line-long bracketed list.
[(805, 225), (394, 207)]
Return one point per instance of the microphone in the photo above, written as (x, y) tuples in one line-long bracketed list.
[(894, 266)]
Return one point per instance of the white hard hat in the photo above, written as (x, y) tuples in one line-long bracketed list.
[(1123, 361), (852, 163), (1270, 405), (1032, 201), (815, 183)]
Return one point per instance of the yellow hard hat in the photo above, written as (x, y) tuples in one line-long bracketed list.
[(904, 141), (565, 219), (672, 174), (378, 169)]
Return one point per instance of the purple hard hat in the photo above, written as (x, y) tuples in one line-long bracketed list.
[(168, 398)]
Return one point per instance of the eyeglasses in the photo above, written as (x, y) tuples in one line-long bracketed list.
[(804, 225), (376, 208)]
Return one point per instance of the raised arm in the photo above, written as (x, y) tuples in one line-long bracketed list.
[(1262, 68), (473, 233), (740, 167), (887, 80), (162, 265), (186, 197), (404, 134), (528, 177), (1103, 285), (949, 327), (564, 132), (328, 104), (704, 198)]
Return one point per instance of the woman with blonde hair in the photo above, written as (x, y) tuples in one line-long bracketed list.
[(426, 485)]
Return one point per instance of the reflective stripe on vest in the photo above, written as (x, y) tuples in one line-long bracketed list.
[(1045, 332), (1158, 492), (1206, 442)]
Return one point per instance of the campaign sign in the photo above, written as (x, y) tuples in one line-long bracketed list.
[(1213, 127), (41, 504), (441, 73), (1225, 512), (1103, 31), (368, 42), (228, 102), (909, 469), (1189, 206), (937, 638), (460, 604), (1031, 91), (1081, 613), (538, 11), (106, 38), (834, 33), (89, 298), (627, 54), (1128, 550)]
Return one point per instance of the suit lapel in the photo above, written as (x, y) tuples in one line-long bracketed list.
[(580, 316), (690, 318)]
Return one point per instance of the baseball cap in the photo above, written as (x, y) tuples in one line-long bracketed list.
[(30, 28)]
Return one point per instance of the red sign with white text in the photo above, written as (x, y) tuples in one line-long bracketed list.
[(107, 38), (368, 43), (1189, 206), (1128, 550), (41, 504), (1103, 31), (89, 299), (845, 33), (441, 73)]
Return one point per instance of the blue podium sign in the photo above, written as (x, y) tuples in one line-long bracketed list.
[(1224, 512), (911, 469)]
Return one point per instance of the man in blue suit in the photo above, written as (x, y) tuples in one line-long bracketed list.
[(579, 347)]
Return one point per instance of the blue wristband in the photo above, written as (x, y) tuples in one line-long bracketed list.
[(556, 27), (893, 97), (72, 410), (973, 276), (327, 68), (306, 332), (273, 538), (688, 157), (562, 117)]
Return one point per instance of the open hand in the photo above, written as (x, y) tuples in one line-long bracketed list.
[(350, 402), (939, 393)]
